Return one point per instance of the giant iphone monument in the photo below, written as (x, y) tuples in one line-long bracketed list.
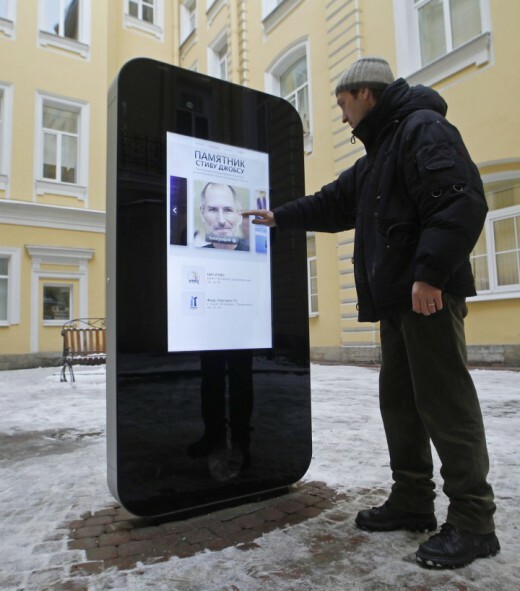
[(208, 384)]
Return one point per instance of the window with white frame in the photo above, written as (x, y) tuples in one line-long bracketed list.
[(269, 5), (188, 18), (312, 274), (4, 287), (496, 257), (57, 303), (218, 58), (294, 87), (441, 37), (7, 12), (9, 286), (63, 289), (222, 58), (143, 10), (60, 143), (289, 78), (66, 24), (146, 16), (5, 134), (445, 25), (3, 147), (63, 147), (274, 11), (61, 18)]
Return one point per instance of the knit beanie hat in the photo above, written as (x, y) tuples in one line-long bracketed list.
[(367, 72)]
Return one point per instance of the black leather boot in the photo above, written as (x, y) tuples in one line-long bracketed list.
[(385, 518), (453, 548)]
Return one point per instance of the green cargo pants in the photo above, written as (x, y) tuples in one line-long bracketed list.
[(427, 394)]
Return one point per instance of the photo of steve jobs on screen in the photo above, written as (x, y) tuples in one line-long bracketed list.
[(221, 224)]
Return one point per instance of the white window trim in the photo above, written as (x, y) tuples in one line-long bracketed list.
[(496, 292), (6, 136), (186, 31), (220, 41), (13, 285), (49, 255), (273, 14), (7, 22), (7, 27), (79, 47), (312, 313), (49, 187), (155, 30), (477, 51), (213, 9), (300, 48), (508, 292)]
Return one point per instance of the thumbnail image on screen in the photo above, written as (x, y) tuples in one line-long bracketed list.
[(218, 216)]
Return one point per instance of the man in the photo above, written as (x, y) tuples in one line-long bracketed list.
[(417, 204), (221, 215)]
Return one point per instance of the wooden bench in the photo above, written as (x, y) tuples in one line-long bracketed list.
[(84, 343)]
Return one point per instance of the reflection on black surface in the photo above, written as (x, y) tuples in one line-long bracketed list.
[(160, 416), (226, 456), (167, 401)]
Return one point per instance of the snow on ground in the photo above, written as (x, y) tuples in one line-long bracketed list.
[(44, 485)]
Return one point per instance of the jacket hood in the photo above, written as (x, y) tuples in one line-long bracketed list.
[(397, 102)]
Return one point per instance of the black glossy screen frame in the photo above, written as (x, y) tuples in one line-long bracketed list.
[(153, 396)]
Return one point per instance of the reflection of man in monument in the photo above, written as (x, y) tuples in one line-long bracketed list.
[(237, 366), (221, 214)]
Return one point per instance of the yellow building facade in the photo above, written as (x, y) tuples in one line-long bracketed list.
[(57, 60)]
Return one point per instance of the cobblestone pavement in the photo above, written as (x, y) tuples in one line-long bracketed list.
[(111, 542), (114, 538)]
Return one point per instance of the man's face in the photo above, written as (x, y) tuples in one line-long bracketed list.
[(221, 216), (355, 108)]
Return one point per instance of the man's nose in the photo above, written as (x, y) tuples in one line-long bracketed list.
[(221, 218)]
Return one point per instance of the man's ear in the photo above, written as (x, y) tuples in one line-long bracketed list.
[(368, 96)]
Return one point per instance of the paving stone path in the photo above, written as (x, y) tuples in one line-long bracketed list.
[(114, 538)]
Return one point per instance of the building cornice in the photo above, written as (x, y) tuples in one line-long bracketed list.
[(21, 213), (58, 255)]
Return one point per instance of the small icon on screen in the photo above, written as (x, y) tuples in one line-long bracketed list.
[(193, 303), (178, 210)]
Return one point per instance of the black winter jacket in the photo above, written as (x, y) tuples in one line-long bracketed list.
[(415, 199)]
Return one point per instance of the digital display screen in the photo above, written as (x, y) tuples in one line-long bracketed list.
[(218, 262)]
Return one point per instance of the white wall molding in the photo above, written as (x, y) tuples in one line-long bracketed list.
[(23, 213)]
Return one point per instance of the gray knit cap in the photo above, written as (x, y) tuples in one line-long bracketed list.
[(367, 72)]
